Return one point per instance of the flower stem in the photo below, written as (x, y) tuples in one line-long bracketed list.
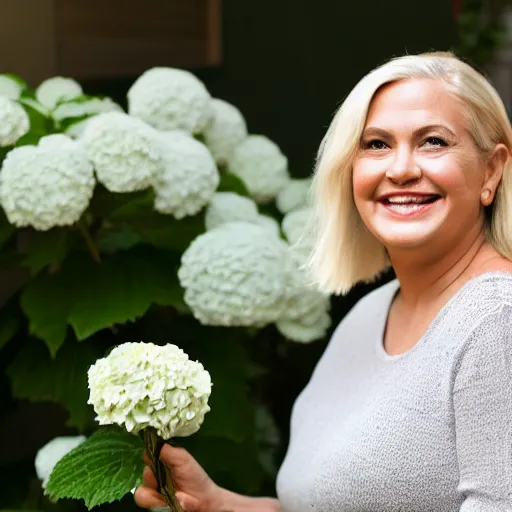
[(91, 246), (153, 444)]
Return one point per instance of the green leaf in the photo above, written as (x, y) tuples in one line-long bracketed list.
[(232, 183), (102, 469), (46, 248), (35, 376), (46, 302), (118, 291), (92, 297), (40, 124), (104, 202), (118, 240), (160, 230)]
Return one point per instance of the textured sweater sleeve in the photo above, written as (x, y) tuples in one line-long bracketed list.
[(482, 399)]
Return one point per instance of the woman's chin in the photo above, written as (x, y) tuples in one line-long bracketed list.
[(404, 239)]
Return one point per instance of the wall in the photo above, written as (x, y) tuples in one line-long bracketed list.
[(287, 64)]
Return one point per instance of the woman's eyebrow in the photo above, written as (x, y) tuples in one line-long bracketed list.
[(434, 127), (373, 131)]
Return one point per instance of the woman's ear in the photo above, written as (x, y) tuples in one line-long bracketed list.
[(496, 163)]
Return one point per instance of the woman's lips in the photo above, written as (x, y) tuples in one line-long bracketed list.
[(404, 206)]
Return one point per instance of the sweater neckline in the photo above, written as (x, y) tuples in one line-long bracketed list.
[(394, 288)]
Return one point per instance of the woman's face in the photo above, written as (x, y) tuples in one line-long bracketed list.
[(418, 176)]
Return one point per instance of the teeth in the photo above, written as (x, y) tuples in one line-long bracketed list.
[(408, 199), (405, 208)]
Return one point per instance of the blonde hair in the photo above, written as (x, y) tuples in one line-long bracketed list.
[(345, 251)]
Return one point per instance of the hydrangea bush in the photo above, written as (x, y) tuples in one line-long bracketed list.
[(166, 221)]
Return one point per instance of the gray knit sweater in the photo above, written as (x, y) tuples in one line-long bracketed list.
[(428, 431)]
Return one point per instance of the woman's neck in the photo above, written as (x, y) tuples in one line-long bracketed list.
[(424, 278)]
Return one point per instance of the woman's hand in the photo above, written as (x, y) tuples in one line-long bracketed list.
[(195, 490)]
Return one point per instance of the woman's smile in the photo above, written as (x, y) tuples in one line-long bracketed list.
[(408, 204)]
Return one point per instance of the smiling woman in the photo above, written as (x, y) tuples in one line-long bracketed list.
[(410, 407)]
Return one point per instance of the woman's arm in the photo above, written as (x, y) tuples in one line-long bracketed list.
[(232, 502), (482, 399)]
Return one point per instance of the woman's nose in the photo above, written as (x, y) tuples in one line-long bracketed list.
[(403, 169)]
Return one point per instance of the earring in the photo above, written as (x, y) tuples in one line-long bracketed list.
[(486, 194)]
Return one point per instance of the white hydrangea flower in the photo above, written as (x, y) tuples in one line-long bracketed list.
[(52, 452), (298, 229), (306, 315), (228, 207), (235, 275), (262, 167), (91, 106), (268, 223), (294, 195), (170, 99), (188, 178), (9, 87), (226, 129), (141, 385), (305, 332), (14, 122), (46, 185), (125, 151), (57, 89)]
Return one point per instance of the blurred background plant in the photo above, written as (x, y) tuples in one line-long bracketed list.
[(481, 29)]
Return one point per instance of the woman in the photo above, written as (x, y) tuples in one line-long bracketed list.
[(410, 407)]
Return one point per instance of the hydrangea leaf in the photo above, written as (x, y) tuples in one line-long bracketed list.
[(40, 124), (232, 183), (100, 470), (46, 303), (36, 377), (105, 203), (118, 240), (92, 297), (120, 290), (46, 248), (155, 228)]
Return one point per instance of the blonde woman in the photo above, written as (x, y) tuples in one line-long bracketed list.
[(410, 407)]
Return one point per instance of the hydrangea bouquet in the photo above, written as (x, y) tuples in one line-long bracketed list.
[(149, 390), (163, 216)]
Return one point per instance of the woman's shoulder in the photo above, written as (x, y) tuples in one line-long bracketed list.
[(485, 294), (487, 348)]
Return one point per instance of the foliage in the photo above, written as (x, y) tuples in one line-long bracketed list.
[(88, 470), (75, 291), (480, 30)]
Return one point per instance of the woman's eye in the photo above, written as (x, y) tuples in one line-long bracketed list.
[(434, 141), (376, 144)]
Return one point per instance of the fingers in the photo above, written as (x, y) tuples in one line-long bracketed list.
[(173, 456), (148, 498), (149, 479)]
